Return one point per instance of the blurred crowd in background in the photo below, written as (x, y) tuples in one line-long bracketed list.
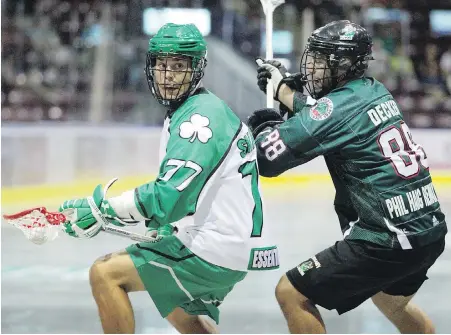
[(50, 49)]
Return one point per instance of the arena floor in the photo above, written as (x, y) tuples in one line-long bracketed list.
[(45, 288)]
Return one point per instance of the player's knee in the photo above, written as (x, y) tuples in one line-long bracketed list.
[(100, 272), (287, 294)]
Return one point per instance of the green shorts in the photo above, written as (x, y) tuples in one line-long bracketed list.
[(175, 277)]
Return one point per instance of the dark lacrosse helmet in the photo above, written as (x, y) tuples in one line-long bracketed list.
[(334, 53)]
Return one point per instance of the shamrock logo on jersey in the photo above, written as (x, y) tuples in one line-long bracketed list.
[(196, 127)]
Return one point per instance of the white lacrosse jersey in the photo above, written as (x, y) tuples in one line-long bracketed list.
[(208, 187)]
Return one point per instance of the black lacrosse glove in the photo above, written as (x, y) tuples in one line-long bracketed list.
[(294, 81), (262, 118), (264, 73)]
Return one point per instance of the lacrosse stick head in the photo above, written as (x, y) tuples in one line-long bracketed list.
[(270, 5), (37, 224)]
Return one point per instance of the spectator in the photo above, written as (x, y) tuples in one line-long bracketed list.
[(380, 65), (402, 66), (430, 72), (445, 66)]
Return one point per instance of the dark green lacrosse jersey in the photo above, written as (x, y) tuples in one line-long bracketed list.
[(384, 192)]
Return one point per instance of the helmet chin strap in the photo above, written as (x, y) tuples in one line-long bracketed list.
[(194, 89), (201, 70), (336, 79)]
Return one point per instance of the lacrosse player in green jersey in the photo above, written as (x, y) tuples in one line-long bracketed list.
[(386, 204), (204, 208)]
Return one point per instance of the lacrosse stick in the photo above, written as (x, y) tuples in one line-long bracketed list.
[(268, 8), (40, 225)]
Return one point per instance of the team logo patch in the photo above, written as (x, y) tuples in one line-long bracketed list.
[(246, 144), (348, 32), (264, 258), (322, 110), (196, 127), (311, 263)]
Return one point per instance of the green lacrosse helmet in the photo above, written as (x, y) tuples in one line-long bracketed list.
[(176, 40)]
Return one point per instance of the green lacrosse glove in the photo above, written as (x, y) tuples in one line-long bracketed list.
[(88, 215), (82, 222)]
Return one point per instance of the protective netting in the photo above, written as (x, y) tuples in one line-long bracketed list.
[(38, 225)]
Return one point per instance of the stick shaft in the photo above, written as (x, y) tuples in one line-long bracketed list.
[(125, 233), (269, 55)]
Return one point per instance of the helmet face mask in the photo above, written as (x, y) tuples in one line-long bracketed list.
[(316, 71), (171, 77), (175, 63), (324, 72), (337, 52)]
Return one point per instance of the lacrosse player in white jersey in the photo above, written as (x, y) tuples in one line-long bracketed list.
[(204, 208)]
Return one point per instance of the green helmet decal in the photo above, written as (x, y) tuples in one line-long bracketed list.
[(177, 40)]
